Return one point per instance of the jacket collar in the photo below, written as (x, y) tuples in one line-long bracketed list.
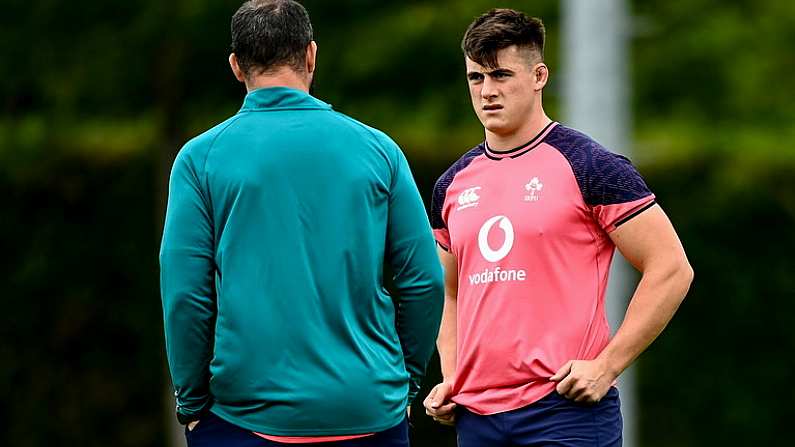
[(281, 98)]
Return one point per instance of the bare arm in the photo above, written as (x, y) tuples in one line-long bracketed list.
[(651, 245), (437, 403), (446, 342)]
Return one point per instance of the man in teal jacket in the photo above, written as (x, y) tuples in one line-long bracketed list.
[(278, 327)]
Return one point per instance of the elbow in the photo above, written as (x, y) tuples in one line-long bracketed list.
[(437, 294), (434, 282), (686, 271), (672, 275), (422, 283), (434, 290), (683, 276), (437, 284), (689, 273)]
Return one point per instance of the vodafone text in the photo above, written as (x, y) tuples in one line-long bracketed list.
[(497, 275)]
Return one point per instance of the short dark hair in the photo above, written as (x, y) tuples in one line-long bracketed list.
[(268, 34), (498, 29)]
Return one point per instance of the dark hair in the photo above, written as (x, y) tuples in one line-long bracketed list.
[(267, 34), (498, 29)]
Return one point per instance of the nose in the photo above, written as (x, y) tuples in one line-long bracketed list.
[(489, 89)]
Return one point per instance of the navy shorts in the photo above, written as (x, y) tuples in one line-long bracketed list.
[(212, 431), (551, 421)]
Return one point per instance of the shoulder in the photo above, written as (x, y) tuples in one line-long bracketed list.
[(365, 130), (195, 151), (604, 177), (373, 138), (444, 181), (581, 150)]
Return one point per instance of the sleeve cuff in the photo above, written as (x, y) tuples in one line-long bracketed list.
[(185, 416), (610, 217)]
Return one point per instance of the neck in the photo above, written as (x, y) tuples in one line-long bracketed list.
[(537, 121), (283, 77)]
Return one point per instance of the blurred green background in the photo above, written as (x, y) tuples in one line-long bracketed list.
[(97, 97)]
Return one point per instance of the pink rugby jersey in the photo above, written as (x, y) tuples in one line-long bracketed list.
[(529, 229)]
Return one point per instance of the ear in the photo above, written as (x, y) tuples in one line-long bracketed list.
[(238, 72), (540, 76), (311, 57)]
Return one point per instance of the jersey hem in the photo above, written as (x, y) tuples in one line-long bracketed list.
[(509, 407), (311, 439), (273, 431), (512, 408)]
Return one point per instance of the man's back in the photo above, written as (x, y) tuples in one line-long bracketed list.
[(293, 205)]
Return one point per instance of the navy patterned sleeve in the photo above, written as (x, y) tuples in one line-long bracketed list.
[(438, 224), (609, 183), (438, 217)]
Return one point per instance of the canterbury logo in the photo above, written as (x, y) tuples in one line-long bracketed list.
[(483, 239), (468, 198)]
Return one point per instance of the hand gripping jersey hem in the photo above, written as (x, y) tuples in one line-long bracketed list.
[(532, 393)]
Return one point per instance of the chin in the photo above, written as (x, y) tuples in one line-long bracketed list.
[(496, 127)]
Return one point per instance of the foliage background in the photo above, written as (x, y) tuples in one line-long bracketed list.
[(97, 97)]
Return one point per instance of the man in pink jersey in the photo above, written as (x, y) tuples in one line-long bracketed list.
[(527, 223)]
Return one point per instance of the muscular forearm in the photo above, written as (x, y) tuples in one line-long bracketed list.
[(650, 244), (446, 343), (658, 296)]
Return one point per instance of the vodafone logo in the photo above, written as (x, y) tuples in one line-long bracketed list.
[(488, 253), (496, 274)]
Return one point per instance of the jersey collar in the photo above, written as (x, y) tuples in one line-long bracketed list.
[(522, 149)]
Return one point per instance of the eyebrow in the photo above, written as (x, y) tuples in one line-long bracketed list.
[(492, 72)]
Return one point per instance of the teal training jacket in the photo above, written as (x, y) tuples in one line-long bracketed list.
[(278, 225)]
